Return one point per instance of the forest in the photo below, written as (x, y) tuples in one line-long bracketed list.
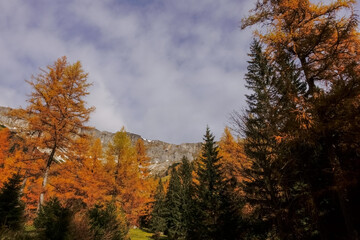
[(287, 167)]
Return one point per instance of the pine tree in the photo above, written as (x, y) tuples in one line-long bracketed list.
[(108, 222), (187, 202), (11, 207), (158, 215), (53, 220), (208, 191), (174, 215), (262, 125)]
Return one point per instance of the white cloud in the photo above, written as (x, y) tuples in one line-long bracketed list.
[(163, 71)]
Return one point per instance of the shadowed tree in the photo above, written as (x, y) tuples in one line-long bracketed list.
[(11, 207)]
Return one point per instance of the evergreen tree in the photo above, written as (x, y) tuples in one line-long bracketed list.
[(158, 215), (322, 146), (11, 207), (262, 125), (108, 222), (208, 191), (53, 220), (186, 193), (174, 216)]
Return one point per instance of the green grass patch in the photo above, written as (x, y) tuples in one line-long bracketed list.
[(138, 234)]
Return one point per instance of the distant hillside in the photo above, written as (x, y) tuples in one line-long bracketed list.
[(162, 154)]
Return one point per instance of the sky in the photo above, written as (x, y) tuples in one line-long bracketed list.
[(164, 69)]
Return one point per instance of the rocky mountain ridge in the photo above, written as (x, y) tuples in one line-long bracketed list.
[(162, 154)]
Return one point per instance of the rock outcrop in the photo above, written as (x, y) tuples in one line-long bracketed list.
[(162, 154)]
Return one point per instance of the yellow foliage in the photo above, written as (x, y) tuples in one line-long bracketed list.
[(233, 158)]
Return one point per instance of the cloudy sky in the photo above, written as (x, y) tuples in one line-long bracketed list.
[(164, 69)]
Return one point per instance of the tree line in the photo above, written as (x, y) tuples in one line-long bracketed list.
[(291, 172), (299, 169)]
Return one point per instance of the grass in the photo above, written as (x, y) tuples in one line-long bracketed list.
[(138, 234), (142, 234)]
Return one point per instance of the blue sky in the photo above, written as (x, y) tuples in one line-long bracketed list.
[(164, 69)]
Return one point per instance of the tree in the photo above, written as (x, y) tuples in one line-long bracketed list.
[(208, 191), (261, 187), (148, 183), (186, 193), (11, 207), (233, 161), (158, 214), (128, 179), (53, 220), (57, 111), (142, 158), (4, 152), (83, 177), (313, 34), (233, 158), (174, 217), (272, 180), (108, 222), (4, 145), (322, 42)]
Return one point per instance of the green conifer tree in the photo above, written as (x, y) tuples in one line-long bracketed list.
[(53, 220), (108, 222), (275, 187), (208, 191), (261, 127), (158, 215), (11, 207), (186, 193), (174, 215)]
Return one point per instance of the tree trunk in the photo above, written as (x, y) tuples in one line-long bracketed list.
[(342, 195), (45, 178)]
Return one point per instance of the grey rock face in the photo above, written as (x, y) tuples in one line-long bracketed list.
[(162, 154)]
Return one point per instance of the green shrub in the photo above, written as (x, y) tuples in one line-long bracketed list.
[(107, 222), (53, 220)]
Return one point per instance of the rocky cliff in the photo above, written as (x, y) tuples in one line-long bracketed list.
[(162, 154)]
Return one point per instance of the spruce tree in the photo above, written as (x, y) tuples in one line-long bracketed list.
[(186, 193), (174, 217), (11, 207), (261, 127), (108, 222), (158, 215), (208, 191), (275, 185), (53, 220)]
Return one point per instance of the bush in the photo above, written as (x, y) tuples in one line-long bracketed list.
[(108, 223), (80, 227), (53, 220)]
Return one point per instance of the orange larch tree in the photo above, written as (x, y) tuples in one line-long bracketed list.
[(82, 177), (57, 111), (233, 158), (130, 185), (4, 151), (148, 185), (321, 38)]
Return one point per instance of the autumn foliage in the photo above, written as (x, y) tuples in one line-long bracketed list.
[(56, 158), (294, 175)]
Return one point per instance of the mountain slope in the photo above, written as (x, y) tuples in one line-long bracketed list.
[(162, 154)]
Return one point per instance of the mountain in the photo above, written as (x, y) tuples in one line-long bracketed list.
[(162, 154)]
